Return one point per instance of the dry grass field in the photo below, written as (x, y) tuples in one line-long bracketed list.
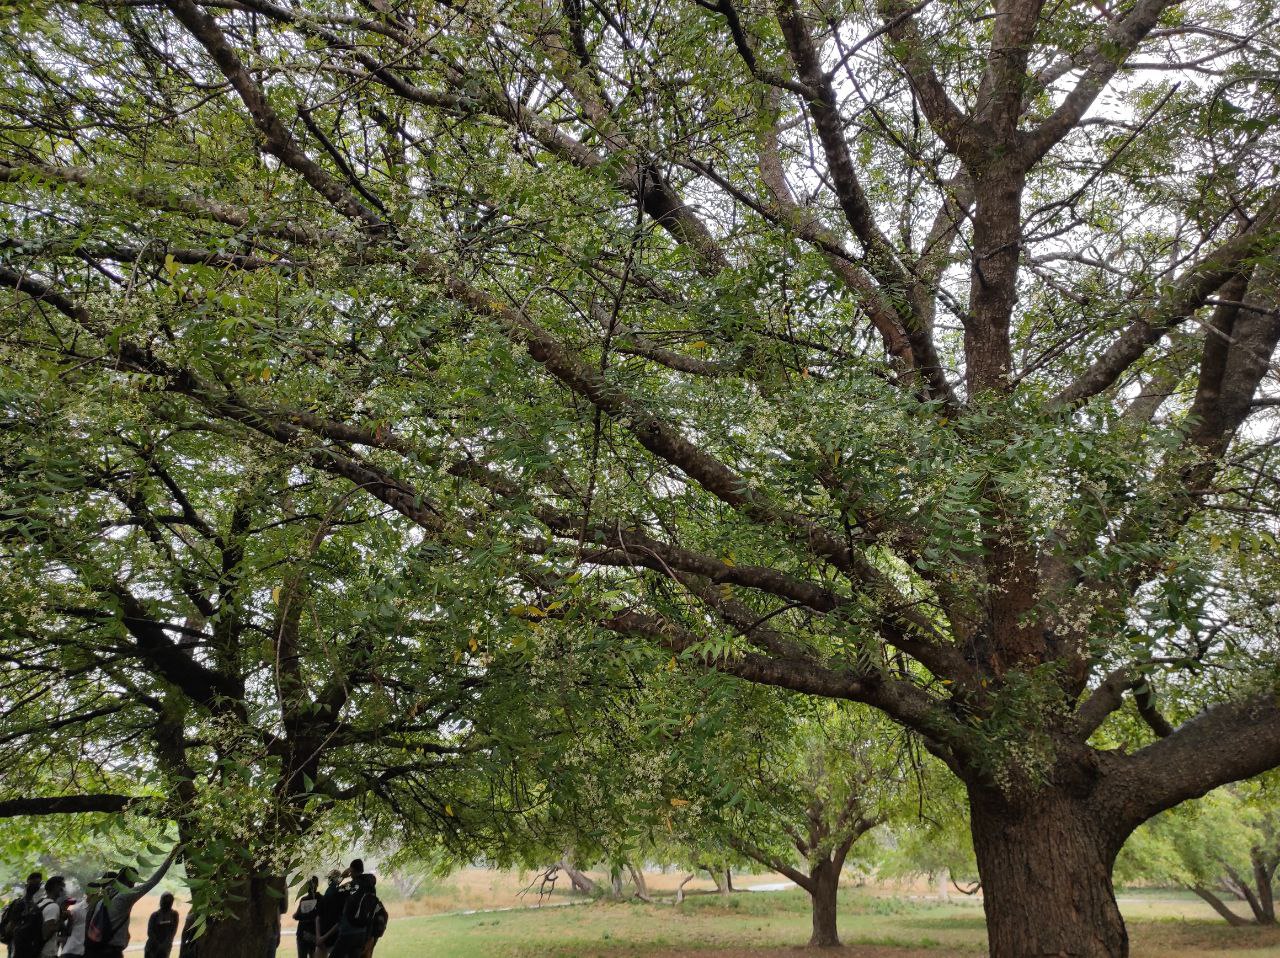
[(875, 922)]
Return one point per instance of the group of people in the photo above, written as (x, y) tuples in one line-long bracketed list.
[(44, 923), (345, 921)]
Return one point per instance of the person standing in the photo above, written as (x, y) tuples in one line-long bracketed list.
[(111, 916), (162, 928), (40, 936), (330, 911), (357, 918), (73, 935), (19, 913), (377, 924), (307, 915)]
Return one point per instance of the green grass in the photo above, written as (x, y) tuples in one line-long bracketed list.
[(746, 923)]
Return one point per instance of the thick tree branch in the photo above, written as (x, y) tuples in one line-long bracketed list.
[(65, 805), (1224, 743), (1176, 304), (1105, 57)]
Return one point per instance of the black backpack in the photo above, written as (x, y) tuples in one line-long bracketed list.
[(362, 905), (10, 918), (28, 929)]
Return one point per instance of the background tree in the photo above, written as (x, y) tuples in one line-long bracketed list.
[(934, 841), (216, 641), (1226, 844), (919, 356), (794, 787)]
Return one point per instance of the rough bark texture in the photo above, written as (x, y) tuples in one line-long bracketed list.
[(823, 890), (1058, 854), (249, 926)]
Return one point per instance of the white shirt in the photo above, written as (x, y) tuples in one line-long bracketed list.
[(74, 942), (50, 910)]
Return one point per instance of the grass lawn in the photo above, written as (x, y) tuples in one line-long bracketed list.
[(773, 924)]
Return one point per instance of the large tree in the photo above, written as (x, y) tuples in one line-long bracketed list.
[(917, 355), (220, 643)]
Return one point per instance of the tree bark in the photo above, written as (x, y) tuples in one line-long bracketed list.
[(249, 924), (680, 888), (1263, 870), (581, 883), (824, 887), (1046, 877), (718, 877), (637, 877), (1218, 905)]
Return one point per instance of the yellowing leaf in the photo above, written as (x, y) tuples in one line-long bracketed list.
[(266, 373), (527, 612), (473, 644), (170, 264), (679, 802), (275, 595), (448, 810)]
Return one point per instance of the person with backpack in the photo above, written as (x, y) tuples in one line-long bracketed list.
[(108, 931), (358, 913), (17, 913), (377, 926), (307, 916), (53, 916), (331, 906), (36, 936), (162, 928)]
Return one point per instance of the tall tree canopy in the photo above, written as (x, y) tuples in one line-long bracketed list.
[(913, 354)]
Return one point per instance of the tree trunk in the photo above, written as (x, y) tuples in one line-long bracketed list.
[(824, 887), (581, 883), (1263, 871), (717, 876), (1046, 877), (680, 888), (637, 877), (248, 928), (728, 879), (1218, 905)]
